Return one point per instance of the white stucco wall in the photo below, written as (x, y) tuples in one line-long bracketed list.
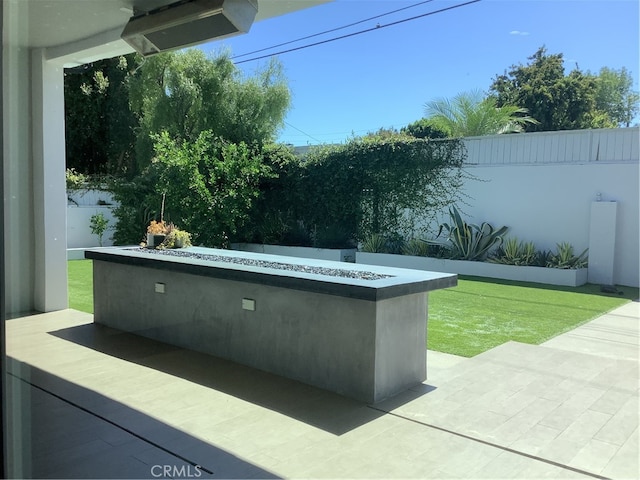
[(79, 226), (548, 204), (81, 206)]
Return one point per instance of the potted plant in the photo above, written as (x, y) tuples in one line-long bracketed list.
[(176, 238), (157, 233)]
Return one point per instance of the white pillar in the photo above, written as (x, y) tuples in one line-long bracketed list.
[(49, 186), (602, 242), (17, 201)]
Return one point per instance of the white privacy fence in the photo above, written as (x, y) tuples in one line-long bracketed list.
[(545, 148)]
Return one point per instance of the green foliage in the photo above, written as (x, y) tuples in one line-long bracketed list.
[(98, 225), (333, 236), (209, 186), (374, 243), (470, 114), (424, 128), (99, 125), (186, 93), (515, 252), (614, 95), (564, 257), (470, 241), (416, 247), (566, 102), (375, 185), (176, 238), (75, 180), (274, 213)]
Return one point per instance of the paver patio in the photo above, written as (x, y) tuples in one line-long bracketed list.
[(99, 403)]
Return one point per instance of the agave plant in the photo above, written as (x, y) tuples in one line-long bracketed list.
[(515, 252), (470, 241), (565, 258), (374, 243), (416, 247)]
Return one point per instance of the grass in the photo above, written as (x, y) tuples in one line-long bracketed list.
[(480, 313), (81, 285), (473, 317)]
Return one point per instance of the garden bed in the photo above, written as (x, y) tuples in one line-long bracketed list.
[(549, 276)]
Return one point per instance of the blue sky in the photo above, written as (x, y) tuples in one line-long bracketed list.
[(383, 78)]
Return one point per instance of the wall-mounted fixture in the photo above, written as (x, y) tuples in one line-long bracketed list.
[(249, 304), (188, 22)]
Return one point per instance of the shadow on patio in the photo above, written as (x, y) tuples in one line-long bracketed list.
[(316, 407), (68, 431)]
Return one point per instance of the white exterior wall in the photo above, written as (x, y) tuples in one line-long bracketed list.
[(552, 204), (82, 205), (79, 226), (545, 197)]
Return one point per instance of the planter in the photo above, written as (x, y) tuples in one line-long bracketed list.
[(333, 254), (154, 240), (549, 276)]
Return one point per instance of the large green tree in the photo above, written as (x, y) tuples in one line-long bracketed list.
[(186, 93), (470, 114), (615, 95), (100, 126), (570, 101)]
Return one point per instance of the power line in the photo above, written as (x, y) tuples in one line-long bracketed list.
[(304, 133), (377, 27), (331, 30)]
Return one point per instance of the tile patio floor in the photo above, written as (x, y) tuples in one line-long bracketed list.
[(99, 403)]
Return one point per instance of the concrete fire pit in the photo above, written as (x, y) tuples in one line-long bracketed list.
[(358, 330)]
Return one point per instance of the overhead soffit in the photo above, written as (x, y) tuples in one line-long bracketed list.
[(52, 23)]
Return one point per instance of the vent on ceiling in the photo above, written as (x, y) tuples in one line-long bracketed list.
[(188, 22)]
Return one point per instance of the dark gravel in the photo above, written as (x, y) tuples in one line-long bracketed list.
[(331, 272)]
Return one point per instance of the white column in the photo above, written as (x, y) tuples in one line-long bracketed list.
[(16, 162), (49, 186), (602, 242)]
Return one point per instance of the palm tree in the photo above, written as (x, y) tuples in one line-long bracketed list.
[(470, 114)]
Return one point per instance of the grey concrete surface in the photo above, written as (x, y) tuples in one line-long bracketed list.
[(517, 411)]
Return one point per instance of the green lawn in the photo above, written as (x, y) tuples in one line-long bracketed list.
[(480, 314), (81, 285), (473, 317)]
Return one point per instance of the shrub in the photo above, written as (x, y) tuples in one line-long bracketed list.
[(564, 257), (470, 241), (209, 186), (515, 252), (98, 226), (374, 243), (416, 247), (376, 184)]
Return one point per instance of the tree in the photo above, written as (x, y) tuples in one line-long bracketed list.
[(100, 126), (470, 114), (423, 128), (186, 93), (208, 187), (566, 102), (614, 95)]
